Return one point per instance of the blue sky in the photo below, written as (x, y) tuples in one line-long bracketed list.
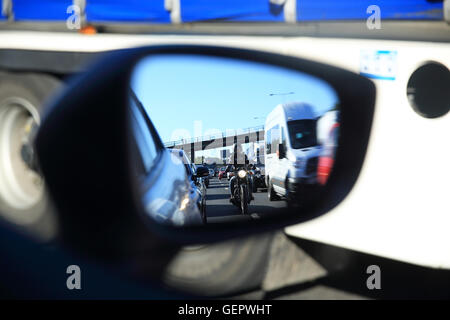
[(188, 96)]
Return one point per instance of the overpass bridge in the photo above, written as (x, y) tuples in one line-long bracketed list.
[(218, 141)]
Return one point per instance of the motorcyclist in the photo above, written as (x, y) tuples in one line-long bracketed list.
[(237, 160)]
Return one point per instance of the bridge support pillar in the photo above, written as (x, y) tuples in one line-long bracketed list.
[(224, 151), (192, 153)]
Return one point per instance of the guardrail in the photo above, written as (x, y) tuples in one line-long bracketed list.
[(224, 134)]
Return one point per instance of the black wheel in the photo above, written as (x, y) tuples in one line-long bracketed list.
[(254, 187), (271, 193), (297, 202), (23, 197), (223, 268), (293, 204), (204, 216), (244, 199), (237, 197)]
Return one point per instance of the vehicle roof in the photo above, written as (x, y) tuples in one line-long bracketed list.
[(180, 154), (292, 111), (298, 110)]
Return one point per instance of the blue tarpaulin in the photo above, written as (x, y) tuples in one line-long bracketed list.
[(40, 10), (153, 11)]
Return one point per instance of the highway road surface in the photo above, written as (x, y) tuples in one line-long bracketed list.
[(219, 209), (292, 273)]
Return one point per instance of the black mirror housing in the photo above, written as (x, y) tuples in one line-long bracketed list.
[(87, 125)]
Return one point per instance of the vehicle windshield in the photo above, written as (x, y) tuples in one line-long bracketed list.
[(302, 133)]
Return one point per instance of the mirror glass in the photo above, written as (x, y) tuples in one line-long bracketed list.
[(224, 140)]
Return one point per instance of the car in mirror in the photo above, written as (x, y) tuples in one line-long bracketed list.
[(279, 145), (202, 172)]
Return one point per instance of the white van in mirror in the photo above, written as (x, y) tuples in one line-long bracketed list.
[(292, 152)]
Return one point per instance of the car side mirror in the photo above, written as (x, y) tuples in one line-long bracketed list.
[(113, 126)]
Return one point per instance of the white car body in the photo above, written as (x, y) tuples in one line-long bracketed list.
[(294, 166)]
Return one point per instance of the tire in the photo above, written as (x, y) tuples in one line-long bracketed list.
[(294, 203), (254, 187), (24, 200), (291, 204), (271, 193), (244, 200), (204, 216), (221, 269)]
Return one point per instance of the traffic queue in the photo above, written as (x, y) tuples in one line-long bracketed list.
[(299, 149)]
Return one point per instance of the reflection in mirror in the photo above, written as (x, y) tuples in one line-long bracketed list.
[(240, 140)]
